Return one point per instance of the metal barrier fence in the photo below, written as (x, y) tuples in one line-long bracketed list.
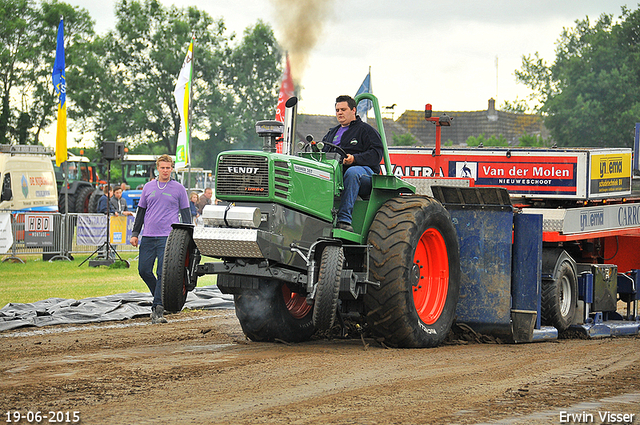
[(52, 235)]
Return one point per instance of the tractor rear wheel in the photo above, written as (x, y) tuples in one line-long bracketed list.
[(178, 255), (94, 199), (272, 311), (417, 262), (83, 196), (61, 203), (326, 300)]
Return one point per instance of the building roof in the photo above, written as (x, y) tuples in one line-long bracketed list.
[(465, 124), (490, 122), (319, 125)]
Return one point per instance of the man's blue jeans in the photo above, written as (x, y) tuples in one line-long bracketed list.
[(152, 249), (357, 180)]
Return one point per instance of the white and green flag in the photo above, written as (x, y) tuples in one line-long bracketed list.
[(182, 94)]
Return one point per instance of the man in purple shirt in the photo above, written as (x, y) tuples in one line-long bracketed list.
[(163, 202)]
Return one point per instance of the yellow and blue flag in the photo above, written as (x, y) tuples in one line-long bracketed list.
[(182, 94), (60, 85)]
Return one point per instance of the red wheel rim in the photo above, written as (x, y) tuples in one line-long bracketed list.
[(296, 303), (431, 276)]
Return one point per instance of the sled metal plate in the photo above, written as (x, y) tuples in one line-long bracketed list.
[(526, 273), (473, 197), (589, 219), (226, 242), (605, 285), (552, 219), (423, 184), (485, 240)]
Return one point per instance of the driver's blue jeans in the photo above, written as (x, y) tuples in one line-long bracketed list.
[(357, 181)]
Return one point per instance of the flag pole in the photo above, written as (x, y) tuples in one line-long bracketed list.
[(367, 113), (183, 97), (59, 84), (193, 47), (64, 219)]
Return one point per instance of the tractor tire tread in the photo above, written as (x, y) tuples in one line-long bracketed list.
[(263, 314), (390, 309), (174, 270), (82, 199), (326, 302), (551, 313)]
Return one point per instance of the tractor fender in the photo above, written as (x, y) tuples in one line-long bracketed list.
[(321, 244), (551, 261), (187, 226), (75, 186)]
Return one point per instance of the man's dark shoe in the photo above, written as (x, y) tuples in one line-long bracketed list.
[(157, 315), (343, 225)]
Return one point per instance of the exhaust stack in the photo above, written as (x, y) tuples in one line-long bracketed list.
[(290, 118)]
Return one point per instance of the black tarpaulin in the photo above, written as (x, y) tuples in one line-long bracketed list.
[(59, 311)]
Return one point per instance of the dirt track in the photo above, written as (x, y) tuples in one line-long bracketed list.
[(200, 369)]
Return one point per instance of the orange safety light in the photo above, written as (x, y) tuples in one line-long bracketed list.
[(428, 111)]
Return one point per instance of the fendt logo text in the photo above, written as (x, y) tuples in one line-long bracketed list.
[(243, 170)]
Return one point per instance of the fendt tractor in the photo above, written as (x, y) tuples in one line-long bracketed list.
[(427, 248)]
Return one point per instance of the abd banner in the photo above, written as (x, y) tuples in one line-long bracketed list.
[(38, 230)]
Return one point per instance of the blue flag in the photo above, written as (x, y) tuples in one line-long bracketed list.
[(60, 85), (365, 105)]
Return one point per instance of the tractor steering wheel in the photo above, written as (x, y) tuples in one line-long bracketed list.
[(319, 146), (338, 149)]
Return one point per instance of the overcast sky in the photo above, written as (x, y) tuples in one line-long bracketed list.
[(419, 51)]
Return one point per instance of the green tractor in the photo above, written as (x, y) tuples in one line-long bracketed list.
[(293, 272)]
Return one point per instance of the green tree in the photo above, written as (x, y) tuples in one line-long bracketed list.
[(531, 140), (474, 141), (251, 77), (128, 89), (27, 50), (406, 139), (131, 74), (517, 106), (591, 93)]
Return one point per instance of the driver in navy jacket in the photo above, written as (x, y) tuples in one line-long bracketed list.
[(363, 147)]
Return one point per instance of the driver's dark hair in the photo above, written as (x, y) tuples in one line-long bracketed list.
[(346, 98)]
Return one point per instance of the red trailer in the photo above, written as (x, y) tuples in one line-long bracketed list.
[(590, 208)]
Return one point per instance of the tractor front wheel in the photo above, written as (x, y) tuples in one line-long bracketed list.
[(326, 301), (178, 256), (417, 262)]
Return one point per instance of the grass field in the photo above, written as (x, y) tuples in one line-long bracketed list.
[(38, 280)]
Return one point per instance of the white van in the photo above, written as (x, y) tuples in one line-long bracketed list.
[(27, 179)]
